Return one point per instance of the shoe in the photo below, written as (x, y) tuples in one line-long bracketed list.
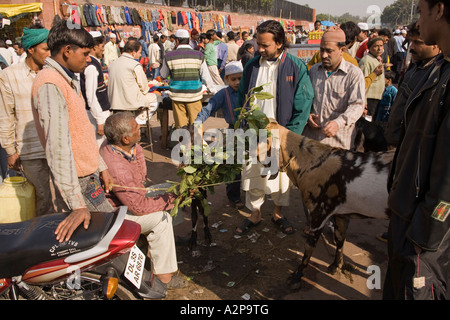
[(176, 283), (238, 204), (285, 226), (153, 290), (383, 237), (245, 227)]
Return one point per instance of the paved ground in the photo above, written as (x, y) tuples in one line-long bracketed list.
[(257, 265)]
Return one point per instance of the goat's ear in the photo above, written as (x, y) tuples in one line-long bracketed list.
[(272, 124)]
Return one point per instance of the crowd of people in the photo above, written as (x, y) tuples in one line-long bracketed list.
[(75, 136)]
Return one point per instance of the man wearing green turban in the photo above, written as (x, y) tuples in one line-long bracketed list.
[(18, 135), (32, 37)]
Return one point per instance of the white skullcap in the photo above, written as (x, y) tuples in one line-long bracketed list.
[(363, 26), (8, 42), (182, 33), (95, 34), (233, 68), (403, 31), (112, 35)]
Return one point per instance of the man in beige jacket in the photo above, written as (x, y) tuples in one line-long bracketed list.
[(128, 85)]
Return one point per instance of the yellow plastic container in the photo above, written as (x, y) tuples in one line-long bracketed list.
[(17, 200)]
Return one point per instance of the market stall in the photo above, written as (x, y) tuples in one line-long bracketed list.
[(15, 17)]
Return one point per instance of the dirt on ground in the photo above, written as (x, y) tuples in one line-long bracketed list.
[(256, 266)]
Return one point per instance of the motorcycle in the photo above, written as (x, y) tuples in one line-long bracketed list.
[(102, 262)]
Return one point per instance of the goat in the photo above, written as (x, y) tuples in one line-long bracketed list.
[(332, 181)]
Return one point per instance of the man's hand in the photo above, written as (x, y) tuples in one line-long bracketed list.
[(108, 181), (14, 162), (169, 197), (379, 70), (330, 129), (100, 130), (66, 228), (313, 121)]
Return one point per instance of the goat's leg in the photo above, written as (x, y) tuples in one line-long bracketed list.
[(194, 218), (208, 236), (340, 230), (310, 245)]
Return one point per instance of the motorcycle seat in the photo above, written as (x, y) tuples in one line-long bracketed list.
[(28, 243)]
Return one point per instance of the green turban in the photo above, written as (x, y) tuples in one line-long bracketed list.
[(33, 37)]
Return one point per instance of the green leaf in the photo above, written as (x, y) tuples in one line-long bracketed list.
[(206, 207), (263, 96), (189, 169)]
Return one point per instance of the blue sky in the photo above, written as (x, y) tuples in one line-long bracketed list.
[(337, 7)]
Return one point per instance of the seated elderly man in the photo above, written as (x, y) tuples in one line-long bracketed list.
[(126, 163)]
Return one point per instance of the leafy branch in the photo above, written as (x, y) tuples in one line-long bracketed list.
[(208, 174)]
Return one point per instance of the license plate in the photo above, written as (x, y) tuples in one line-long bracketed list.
[(135, 266)]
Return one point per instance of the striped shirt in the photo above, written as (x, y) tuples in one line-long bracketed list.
[(184, 65), (17, 129)]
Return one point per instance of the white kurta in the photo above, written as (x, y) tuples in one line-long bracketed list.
[(252, 180)]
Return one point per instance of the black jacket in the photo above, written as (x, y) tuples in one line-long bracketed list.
[(420, 178)]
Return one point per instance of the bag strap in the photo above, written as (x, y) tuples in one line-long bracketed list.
[(230, 108)]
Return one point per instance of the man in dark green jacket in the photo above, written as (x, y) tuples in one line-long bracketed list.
[(286, 78), (294, 92)]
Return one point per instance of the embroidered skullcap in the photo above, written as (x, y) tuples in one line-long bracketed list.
[(333, 34), (33, 37), (182, 33), (233, 68)]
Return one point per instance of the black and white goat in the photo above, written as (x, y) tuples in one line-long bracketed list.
[(333, 182)]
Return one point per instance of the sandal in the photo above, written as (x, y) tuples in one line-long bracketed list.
[(238, 204), (245, 227), (283, 224)]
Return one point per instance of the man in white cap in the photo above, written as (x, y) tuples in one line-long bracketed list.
[(5, 53), (363, 37), (94, 88), (111, 50), (15, 57), (183, 66), (400, 54)]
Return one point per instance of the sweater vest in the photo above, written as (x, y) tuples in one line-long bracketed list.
[(82, 134), (102, 89)]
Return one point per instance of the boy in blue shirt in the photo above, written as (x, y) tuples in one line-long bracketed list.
[(389, 94), (226, 99)]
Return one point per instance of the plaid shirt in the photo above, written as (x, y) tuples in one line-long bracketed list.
[(338, 97), (17, 129)]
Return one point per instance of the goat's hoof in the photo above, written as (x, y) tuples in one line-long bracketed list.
[(333, 268), (208, 236), (294, 280), (192, 244)]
